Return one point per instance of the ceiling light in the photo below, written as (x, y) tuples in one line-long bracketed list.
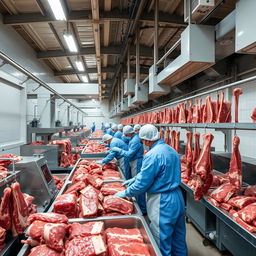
[(70, 42), (85, 79), (57, 9), (79, 65)]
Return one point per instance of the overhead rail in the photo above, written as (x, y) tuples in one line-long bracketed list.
[(8, 60), (246, 80)]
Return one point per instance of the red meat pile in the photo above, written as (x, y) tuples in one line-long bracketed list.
[(77, 149), (7, 162), (218, 111), (15, 208), (67, 158), (103, 172), (97, 134), (84, 142), (87, 198), (3, 172), (51, 235), (35, 143), (94, 146), (59, 182)]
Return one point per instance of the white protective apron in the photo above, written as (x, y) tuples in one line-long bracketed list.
[(133, 165)]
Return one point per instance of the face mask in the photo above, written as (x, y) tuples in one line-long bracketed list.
[(146, 147)]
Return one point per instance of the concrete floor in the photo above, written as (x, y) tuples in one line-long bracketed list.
[(196, 247)]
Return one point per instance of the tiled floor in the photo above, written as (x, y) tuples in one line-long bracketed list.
[(196, 247)]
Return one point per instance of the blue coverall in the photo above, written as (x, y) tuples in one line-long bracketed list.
[(110, 131), (118, 135), (103, 128), (123, 161), (160, 179), (135, 153), (93, 128), (125, 139)]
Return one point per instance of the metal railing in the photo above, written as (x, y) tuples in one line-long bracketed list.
[(8, 60)]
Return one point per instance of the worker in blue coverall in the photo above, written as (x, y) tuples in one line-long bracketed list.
[(103, 127), (93, 127), (119, 133), (109, 130), (135, 153), (114, 128), (123, 162), (160, 179), (137, 128)]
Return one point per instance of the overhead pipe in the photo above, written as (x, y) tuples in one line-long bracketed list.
[(129, 31), (13, 63)]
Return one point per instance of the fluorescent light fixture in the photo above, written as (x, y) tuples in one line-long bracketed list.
[(85, 79), (57, 9), (79, 65), (70, 42)]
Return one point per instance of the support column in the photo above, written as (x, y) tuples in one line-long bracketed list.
[(45, 109)]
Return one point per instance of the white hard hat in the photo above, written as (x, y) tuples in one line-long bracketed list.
[(128, 129), (114, 127), (120, 127), (137, 127), (149, 132), (107, 125), (106, 137)]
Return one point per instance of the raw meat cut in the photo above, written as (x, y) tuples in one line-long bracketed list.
[(245, 225), (224, 114), (43, 250), (89, 203), (248, 213), (75, 187), (2, 238), (253, 116), (86, 229), (173, 135), (54, 234), (66, 204), (250, 191), (90, 192), (113, 203), (111, 188), (196, 151), (31, 242), (241, 201), (130, 249), (190, 112), (161, 133), (182, 114), (7, 162), (85, 246), (213, 202), (36, 230), (19, 210), (217, 105), (49, 217), (177, 142), (209, 110), (223, 193), (122, 235), (167, 139), (235, 169), (237, 92), (189, 155), (196, 113), (5, 214), (225, 206), (3, 172), (203, 168), (94, 181)]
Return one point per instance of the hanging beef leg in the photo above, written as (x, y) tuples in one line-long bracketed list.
[(237, 92)]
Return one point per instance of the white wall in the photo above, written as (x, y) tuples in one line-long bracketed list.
[(97, 111), (13, 101)]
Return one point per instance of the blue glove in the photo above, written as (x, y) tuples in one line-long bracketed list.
[(99, 162), (129, 182), (101, 142), (116, 149), (120, 194), (107, 152)]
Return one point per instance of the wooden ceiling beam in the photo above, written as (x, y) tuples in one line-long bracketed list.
[(110, 50), (108, 69), (86, 15)]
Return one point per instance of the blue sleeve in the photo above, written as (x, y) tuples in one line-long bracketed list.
[(109, 157), (145, 178), (133, 149)]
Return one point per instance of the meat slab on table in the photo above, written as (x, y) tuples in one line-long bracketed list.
[(66, 204), (223, 193), (50, 217), (43, 250), (111, 188), (113, 203)]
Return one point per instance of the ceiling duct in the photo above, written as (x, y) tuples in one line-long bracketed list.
[(199, 9), (197, 54), (245, 27)]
